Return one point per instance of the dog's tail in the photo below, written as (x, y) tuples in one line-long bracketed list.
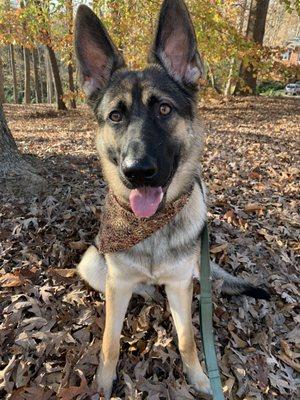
[(233, 285)]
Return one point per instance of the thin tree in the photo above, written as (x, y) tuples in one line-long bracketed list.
[(255, 32), (69, 8), (2, 93), (44, 23), (26, 58), (14, 72), (233, 62), (27, 86), (43, 74), (36, 73), (57, 81), (49, 79)]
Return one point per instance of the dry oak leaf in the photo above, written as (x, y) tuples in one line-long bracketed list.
[(295, 365), (26, 393), (11, 280), (79, 245), (218, 248), (72, 392), (63, 272), (252, 207)]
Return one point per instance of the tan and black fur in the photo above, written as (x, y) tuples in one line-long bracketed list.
[(139, 144)]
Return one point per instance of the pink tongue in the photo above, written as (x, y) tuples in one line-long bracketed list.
[(145, 201)]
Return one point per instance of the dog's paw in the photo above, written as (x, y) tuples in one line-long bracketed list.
[(200, 382), (104, 380)]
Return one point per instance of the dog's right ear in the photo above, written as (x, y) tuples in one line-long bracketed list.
[(97, 56)]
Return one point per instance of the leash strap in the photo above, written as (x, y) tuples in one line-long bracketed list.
[(206, 319)]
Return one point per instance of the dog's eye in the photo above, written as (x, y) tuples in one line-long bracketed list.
[(115, 116), (165, 109)]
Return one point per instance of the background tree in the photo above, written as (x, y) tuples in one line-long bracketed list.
[(49, 78), (26, 56), (36, 72), (255, 33), (40, 12), (27, 86), (70, 62), (2, 94)]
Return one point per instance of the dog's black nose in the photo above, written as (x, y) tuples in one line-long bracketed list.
[(139, 171)]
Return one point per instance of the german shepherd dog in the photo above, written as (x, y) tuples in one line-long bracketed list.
[(149, 143)]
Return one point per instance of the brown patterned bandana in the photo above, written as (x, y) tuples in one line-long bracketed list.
[(121, 229)]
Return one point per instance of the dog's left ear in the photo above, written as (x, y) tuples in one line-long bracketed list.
[(175, 44)]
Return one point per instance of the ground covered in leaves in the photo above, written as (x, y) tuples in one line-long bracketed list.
[(52, 324)]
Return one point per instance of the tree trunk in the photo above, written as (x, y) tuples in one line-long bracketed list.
[(53, 61), (2, 93), (71, 85), (211, 77), (37, 84), (43, 74), (49, 78), (69, 9), (17, 176), (57, 81), (228, 86), (234, 64), (27, 90), (13, 72), (255, 32)]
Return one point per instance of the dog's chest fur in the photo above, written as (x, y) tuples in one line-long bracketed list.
[(170, 252)]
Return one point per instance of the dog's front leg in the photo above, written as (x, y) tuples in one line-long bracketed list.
[(180, 296), (118, 293)]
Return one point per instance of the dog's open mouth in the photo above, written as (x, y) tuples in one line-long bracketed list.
[(145, 201)]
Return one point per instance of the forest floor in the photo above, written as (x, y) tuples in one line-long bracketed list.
[(52, 323)]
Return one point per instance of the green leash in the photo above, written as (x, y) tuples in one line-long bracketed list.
[(206, 319)]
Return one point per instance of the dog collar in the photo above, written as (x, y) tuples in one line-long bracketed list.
[(121, 229)]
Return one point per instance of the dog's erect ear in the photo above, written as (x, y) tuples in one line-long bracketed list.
[(97, 57), (175, 44)]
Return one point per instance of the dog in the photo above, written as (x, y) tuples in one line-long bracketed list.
[(149, 141)]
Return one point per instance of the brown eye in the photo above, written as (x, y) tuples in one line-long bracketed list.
[(115, 116), (165, 109)]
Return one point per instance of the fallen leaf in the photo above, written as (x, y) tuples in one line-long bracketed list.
[(63, 272), (252, 207), (218, 248), (11, 280), (70, 393)]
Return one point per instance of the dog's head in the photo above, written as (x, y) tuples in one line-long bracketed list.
[(149, 139)]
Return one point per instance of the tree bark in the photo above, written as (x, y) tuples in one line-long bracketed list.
[(43, 73), (234, 64), (27, 89), (69, 9), (9, 153), (14, 73), (49, 78), (228, 85), (53, 61), (2, 93), (71, 84), (57, 81), (17, 176), (37, 84), (255, 32)]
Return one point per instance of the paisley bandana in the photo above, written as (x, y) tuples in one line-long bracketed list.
[(121, 229)]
